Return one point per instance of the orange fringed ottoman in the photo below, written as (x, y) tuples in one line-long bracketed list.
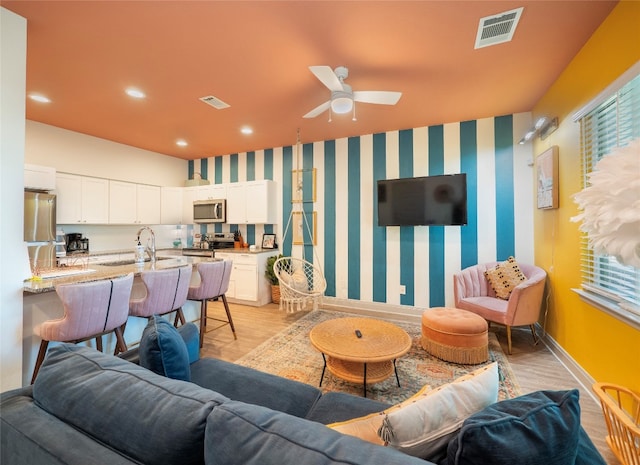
[(455, 335)]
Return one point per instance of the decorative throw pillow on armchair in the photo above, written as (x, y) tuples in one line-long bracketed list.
[(505, 277)]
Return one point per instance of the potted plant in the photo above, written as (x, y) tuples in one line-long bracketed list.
[(273, 279)]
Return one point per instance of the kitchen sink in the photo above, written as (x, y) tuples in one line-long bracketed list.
[(129, 261)]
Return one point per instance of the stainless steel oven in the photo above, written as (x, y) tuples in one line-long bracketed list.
[(198, 252), (220, 240)]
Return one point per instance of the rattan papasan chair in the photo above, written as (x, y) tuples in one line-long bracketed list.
[(302, 284)]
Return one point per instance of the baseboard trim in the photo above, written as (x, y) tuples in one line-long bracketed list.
[(573, 367), (374, 309)]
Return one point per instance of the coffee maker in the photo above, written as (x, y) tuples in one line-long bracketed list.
[(76, 243)]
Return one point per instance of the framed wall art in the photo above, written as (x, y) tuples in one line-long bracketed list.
[(299, 228), (303, 186), (547, 178), (269, 241)]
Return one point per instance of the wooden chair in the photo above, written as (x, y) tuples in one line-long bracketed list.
[(621, 410), (214, 283), (91, 309)]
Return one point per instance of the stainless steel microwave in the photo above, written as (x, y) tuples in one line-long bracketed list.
[(210, 211)]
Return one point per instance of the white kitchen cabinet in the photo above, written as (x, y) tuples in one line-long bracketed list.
[(122, 202), (189, 194), (252, 202), (148, 204), (131, 203), (248, 284), (81, 199), (39, 177), (171, 205), (212, 192), (244, 279), (236, 204)]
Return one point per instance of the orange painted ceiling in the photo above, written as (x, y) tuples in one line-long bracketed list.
[(254, 55)]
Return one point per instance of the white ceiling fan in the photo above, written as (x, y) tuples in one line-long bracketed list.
[(342, 96)]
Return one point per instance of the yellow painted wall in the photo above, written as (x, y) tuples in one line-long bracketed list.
[(608, 349)]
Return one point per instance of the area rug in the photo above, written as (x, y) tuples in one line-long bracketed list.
[(290, 354)]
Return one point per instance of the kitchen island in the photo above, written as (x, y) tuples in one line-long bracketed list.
[(106, 266), (41, 303)]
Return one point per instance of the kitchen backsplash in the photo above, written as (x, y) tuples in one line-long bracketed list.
[(118, 237)]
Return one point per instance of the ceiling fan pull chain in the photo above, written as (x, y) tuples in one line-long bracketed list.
[(354, 112)]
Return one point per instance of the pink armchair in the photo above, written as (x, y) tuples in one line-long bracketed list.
[(473, 292)]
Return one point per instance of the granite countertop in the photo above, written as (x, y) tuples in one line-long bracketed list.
[(102, 271), (247, 250), (92, 267)]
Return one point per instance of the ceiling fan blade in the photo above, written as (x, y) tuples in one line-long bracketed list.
[(377, 96), (319, 109), (326, 75)]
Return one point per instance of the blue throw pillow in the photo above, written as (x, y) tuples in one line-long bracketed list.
[(163, 351), (541, 428), (191, 338)]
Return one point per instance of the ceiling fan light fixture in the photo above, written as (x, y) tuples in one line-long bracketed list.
[(341, 105)]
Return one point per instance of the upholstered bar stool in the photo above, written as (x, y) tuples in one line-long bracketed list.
[(214, 283), (166, 293), (91, 309)]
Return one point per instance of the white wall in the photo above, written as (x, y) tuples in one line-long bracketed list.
[(73, 152), (13, 53)]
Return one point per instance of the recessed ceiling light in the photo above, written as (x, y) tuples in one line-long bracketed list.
[(246, 130), (39, 98), (135, 93), (181, 143)]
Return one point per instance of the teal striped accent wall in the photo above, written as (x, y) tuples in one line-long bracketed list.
[(363, 261)]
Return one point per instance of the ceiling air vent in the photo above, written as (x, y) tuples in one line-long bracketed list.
[(215, 102), (498, 28)]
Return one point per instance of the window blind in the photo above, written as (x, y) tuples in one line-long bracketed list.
[(612, 123)]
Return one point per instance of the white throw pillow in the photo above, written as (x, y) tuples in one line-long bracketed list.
[(424, 427), (297, 280), (366, 428)]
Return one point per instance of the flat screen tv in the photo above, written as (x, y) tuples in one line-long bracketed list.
[(427, 200)]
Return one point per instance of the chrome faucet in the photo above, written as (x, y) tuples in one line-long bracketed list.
[(150, 250)]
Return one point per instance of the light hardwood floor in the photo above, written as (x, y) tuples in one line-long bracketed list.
[(535, 366)]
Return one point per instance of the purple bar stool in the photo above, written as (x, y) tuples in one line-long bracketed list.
[(91, 309), (166, 293), (214, 283)]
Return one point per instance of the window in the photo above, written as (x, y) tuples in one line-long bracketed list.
[(612, 120)]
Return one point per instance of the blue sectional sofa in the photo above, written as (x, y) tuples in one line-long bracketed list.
[(86, 407)]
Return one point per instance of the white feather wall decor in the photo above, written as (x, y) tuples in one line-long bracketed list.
[(611, 205)]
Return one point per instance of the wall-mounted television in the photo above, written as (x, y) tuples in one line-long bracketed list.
[(426, 200)]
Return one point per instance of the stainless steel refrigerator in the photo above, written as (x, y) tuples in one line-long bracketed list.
[(40, 229)]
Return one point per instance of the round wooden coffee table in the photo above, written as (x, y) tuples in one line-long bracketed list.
[(367, 359)]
